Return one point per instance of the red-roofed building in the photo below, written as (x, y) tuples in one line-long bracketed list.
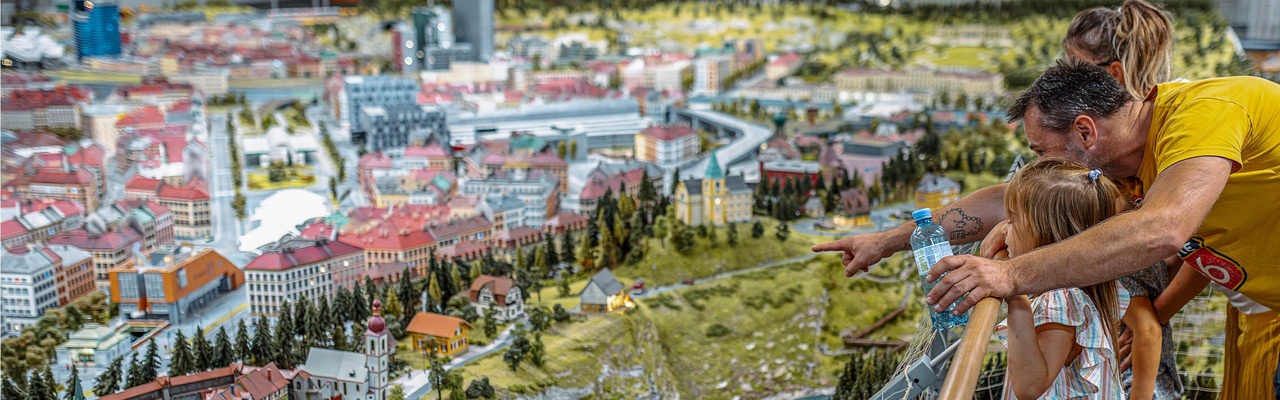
[(565, 221), (40, 219), (465, 250), (393, 234), (266, 383), (782, 66), (142, 118), (142, 188), (154, 90), (667, 145), (300, 267), (499, 291), (80, 186), (44, 108), (180, 387), (433, 157), (110, 250), (491, 157), (190, 206), (599, 182)]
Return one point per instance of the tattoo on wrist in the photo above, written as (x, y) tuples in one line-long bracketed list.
[(963, 226)]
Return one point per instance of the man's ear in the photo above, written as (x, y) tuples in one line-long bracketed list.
[(1085, 129), (1116, 70)]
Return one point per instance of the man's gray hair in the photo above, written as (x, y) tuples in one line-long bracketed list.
[(1068, 89)]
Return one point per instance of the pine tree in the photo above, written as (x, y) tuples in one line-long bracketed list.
[(566, 248), (342, 305), (203, 351), (40, 388), (456, 277), (783, 232), (325, 313), (108, 381), (711, 236), (339, 337), (435, 293), (586, 255), (731, 234), (553, 256), (284, 340), (243, 349), (521, 264), (563, 284), (74, 390), (316, 332), (183, 361), (404, 290), (474, 272), (136, 374), (223, 353), (539, 266), (359, 305), (648, 195), (490, 320), (757, 230), (264, 348), (10, 390), (301, 311), (608, 255), (392, 309), (151, 366)]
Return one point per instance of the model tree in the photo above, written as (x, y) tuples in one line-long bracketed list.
[(183, 362), (223, 353), (263, 346), (284, 339), (244, 351), (136, 374), (204, 359), (151, 365), (108, 381), (757, 230)]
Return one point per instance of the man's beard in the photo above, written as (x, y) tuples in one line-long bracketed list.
[(1077, 154)]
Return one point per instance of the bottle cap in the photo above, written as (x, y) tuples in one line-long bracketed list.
[(922, 213)]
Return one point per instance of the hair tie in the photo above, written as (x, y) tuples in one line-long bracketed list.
[(1093, 175)]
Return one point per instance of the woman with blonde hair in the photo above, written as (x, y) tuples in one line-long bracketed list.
[(1133, 42)]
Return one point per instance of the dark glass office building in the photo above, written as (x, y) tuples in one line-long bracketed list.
[(97, 28)]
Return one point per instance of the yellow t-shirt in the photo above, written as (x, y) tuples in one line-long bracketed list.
[(1236, 118)]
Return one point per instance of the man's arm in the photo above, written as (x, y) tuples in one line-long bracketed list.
[(1173, 209), (967, 220)]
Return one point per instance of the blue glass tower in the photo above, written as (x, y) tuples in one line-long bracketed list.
[(97, 28)]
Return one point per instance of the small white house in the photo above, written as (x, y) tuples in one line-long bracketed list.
[(500, 291)]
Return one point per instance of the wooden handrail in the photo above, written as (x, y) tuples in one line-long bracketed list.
[(966, 365), (962, 376)]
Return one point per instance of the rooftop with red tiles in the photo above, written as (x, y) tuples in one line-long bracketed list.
[(196, 189), (32, 99)]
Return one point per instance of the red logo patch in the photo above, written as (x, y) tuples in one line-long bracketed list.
[(1218, 267)]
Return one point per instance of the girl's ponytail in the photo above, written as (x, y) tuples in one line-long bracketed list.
[(1144, 46)]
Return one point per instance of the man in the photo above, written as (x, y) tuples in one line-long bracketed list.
[(1203, 156)]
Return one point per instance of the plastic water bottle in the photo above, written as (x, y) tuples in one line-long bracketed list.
[(929, 244)]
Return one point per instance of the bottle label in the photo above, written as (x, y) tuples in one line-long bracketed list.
[(929, 255)]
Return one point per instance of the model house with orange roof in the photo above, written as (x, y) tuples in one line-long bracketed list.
[(441, 334)]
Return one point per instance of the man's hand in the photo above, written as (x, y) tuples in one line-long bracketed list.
[(975, 278), (860, 252)]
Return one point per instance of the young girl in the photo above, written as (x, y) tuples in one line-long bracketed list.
[(1061, 341)]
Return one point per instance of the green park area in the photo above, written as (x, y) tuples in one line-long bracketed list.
[(281, 176)]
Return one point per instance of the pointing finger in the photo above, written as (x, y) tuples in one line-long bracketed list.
[(829, 246)]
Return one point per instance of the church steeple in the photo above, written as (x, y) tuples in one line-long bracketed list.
[(713, 168)]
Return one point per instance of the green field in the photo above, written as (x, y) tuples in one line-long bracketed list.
[(750, 335)]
